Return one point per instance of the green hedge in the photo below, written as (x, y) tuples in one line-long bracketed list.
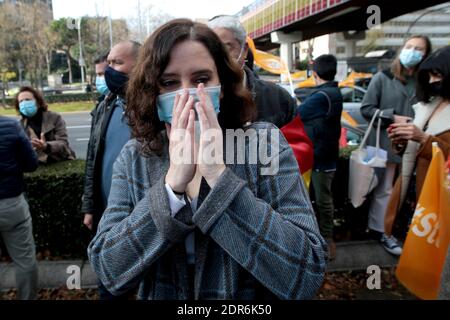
[(67, 97), (54, 196), (58, 98)]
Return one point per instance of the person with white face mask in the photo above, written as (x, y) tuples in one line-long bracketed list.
[(274, 104), (393, 92)]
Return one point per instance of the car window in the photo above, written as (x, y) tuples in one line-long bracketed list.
[(358, 95), (347, 94)]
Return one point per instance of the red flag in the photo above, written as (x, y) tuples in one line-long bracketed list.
[(295, 134)]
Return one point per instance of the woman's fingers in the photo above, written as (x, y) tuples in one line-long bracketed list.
[(190, 125), (207, 105), (36, 143), (190, 137), (174, 113), (403, 134), (179, 107), (183, 120), (204, 122)]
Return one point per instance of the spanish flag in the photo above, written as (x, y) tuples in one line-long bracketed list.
[(301, 145)]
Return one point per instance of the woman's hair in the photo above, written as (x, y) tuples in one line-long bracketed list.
[(236, 105), (40, 102), (397, 68), (437, 63)]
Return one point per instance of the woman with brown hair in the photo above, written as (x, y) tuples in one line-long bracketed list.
[(414, 140), (46, 129), (393, 92), (183, 223)]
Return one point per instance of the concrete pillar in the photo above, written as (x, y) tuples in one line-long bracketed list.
[(350, 48), (286, 48)]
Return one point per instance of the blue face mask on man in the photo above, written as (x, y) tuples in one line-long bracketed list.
[(165, 101), (410, 57), (28, 108), (100, 84)]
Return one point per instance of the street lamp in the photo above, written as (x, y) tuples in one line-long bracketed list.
[(440, 8), (81, 62), (110, 28)]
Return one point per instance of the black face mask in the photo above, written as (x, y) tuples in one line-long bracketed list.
[(115, 80), (435, 88)]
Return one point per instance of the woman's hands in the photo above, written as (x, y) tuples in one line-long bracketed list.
[(210, 160), (39, 144), (185, 156), (181, 143), (401, 132)]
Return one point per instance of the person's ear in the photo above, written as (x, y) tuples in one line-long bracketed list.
[(246, 50), (315, 77)]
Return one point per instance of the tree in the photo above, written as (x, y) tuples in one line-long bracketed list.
[(66, 38), (25, 40), (95, 39), (146, 20), (371, 41), (6, 46), (36, 44)]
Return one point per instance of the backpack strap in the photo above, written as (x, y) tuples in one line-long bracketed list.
[(329, 100)]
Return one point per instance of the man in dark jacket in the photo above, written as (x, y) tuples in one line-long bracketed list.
[(101, 63), (109, 133), (16, 157), (321, 115), (274, 104)]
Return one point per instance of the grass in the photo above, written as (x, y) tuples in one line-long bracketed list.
[(57, 107)]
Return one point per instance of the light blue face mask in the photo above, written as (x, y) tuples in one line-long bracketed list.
[(100, 84), (165, 101), (410, 58), (28, 108)]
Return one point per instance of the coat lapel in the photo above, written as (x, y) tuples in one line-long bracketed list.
[(201, 243), (440, 124), (47, 122)]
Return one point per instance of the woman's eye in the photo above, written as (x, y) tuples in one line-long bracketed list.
[(202, 80), (168, 83)]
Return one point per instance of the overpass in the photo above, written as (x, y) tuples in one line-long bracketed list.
[(274, 23)]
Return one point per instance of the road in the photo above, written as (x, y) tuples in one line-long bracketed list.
[(78, 128)]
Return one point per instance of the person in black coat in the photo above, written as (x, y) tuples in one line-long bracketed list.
[(321, 114), (16, 157), (274, 104)]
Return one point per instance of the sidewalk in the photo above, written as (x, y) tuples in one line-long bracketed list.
[(351, 256)]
